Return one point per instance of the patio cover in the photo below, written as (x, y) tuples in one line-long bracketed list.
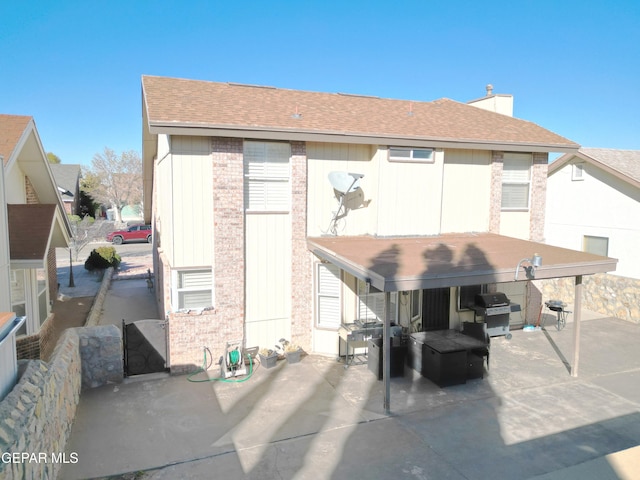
[(393, 264)]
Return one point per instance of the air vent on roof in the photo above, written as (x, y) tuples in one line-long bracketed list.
[(232, 84), (356, 95)]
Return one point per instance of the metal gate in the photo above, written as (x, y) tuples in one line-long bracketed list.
[(145, 346)]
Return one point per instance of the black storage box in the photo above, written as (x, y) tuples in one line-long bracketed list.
[(475, 366), (374, 357), (448, 368)]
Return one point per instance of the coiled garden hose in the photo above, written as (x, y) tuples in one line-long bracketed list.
[(234, 359)]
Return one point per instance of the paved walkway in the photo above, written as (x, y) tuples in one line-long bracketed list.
[(528, 418)]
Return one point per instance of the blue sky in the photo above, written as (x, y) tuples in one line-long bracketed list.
[(75, 66)]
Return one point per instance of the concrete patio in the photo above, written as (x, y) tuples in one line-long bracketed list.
[(528, 418)]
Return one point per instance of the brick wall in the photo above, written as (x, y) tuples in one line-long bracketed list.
[(538, 196), (190, 332), (28, 347), (301, 273), (32, 196), (496, 191), (52, 273)]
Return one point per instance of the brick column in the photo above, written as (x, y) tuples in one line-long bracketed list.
[(228, 228), (301, 279), (497, 162), (538, 196)]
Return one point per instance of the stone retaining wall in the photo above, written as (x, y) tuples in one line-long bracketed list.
[(37, 415), (610, 295)]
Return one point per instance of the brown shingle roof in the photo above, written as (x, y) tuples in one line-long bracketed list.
[(192, 103), (11, 129), (29, 230), (626, 162)]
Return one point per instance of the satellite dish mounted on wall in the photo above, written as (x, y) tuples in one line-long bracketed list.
[(343, 183)]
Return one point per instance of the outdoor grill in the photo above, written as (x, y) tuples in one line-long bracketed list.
[(559, 307), (495, 308)]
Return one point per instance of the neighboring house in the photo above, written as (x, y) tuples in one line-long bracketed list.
[(67, 179), (256, 240), (132, 214), (37, 224), (593, 204)]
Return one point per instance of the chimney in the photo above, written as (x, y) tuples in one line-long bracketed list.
[(494, 102)]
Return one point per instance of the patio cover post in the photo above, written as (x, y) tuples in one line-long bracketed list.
[(577, 314), (386, 352)]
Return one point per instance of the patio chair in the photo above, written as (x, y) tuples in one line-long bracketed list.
[(479, 331)]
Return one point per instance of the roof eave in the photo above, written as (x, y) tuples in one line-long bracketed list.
[(350, 137)]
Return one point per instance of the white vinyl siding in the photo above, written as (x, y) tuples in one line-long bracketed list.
[(328, 296), (194, 289), (371, 305), (516, 181), (267, 173)]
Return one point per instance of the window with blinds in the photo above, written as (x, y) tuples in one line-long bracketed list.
[(328, 296), (371, 304), (516, 181), (267, 173), (194, 289)]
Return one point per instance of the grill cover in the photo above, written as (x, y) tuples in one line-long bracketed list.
[(487, 300)]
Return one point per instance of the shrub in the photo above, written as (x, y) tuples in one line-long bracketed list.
[(102, 258)]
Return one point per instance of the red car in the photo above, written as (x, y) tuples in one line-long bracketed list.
[(135, 233)]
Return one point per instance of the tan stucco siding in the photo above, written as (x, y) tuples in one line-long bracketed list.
[(268, 278), (192, 222), (466, 191), (322, 201), (163, 206), (408, 201)]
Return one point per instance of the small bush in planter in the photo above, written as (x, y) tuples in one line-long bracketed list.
[(292, 352), (268, 357), (102, 258)]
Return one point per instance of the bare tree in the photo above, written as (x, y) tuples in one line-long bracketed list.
[(115, 180)]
